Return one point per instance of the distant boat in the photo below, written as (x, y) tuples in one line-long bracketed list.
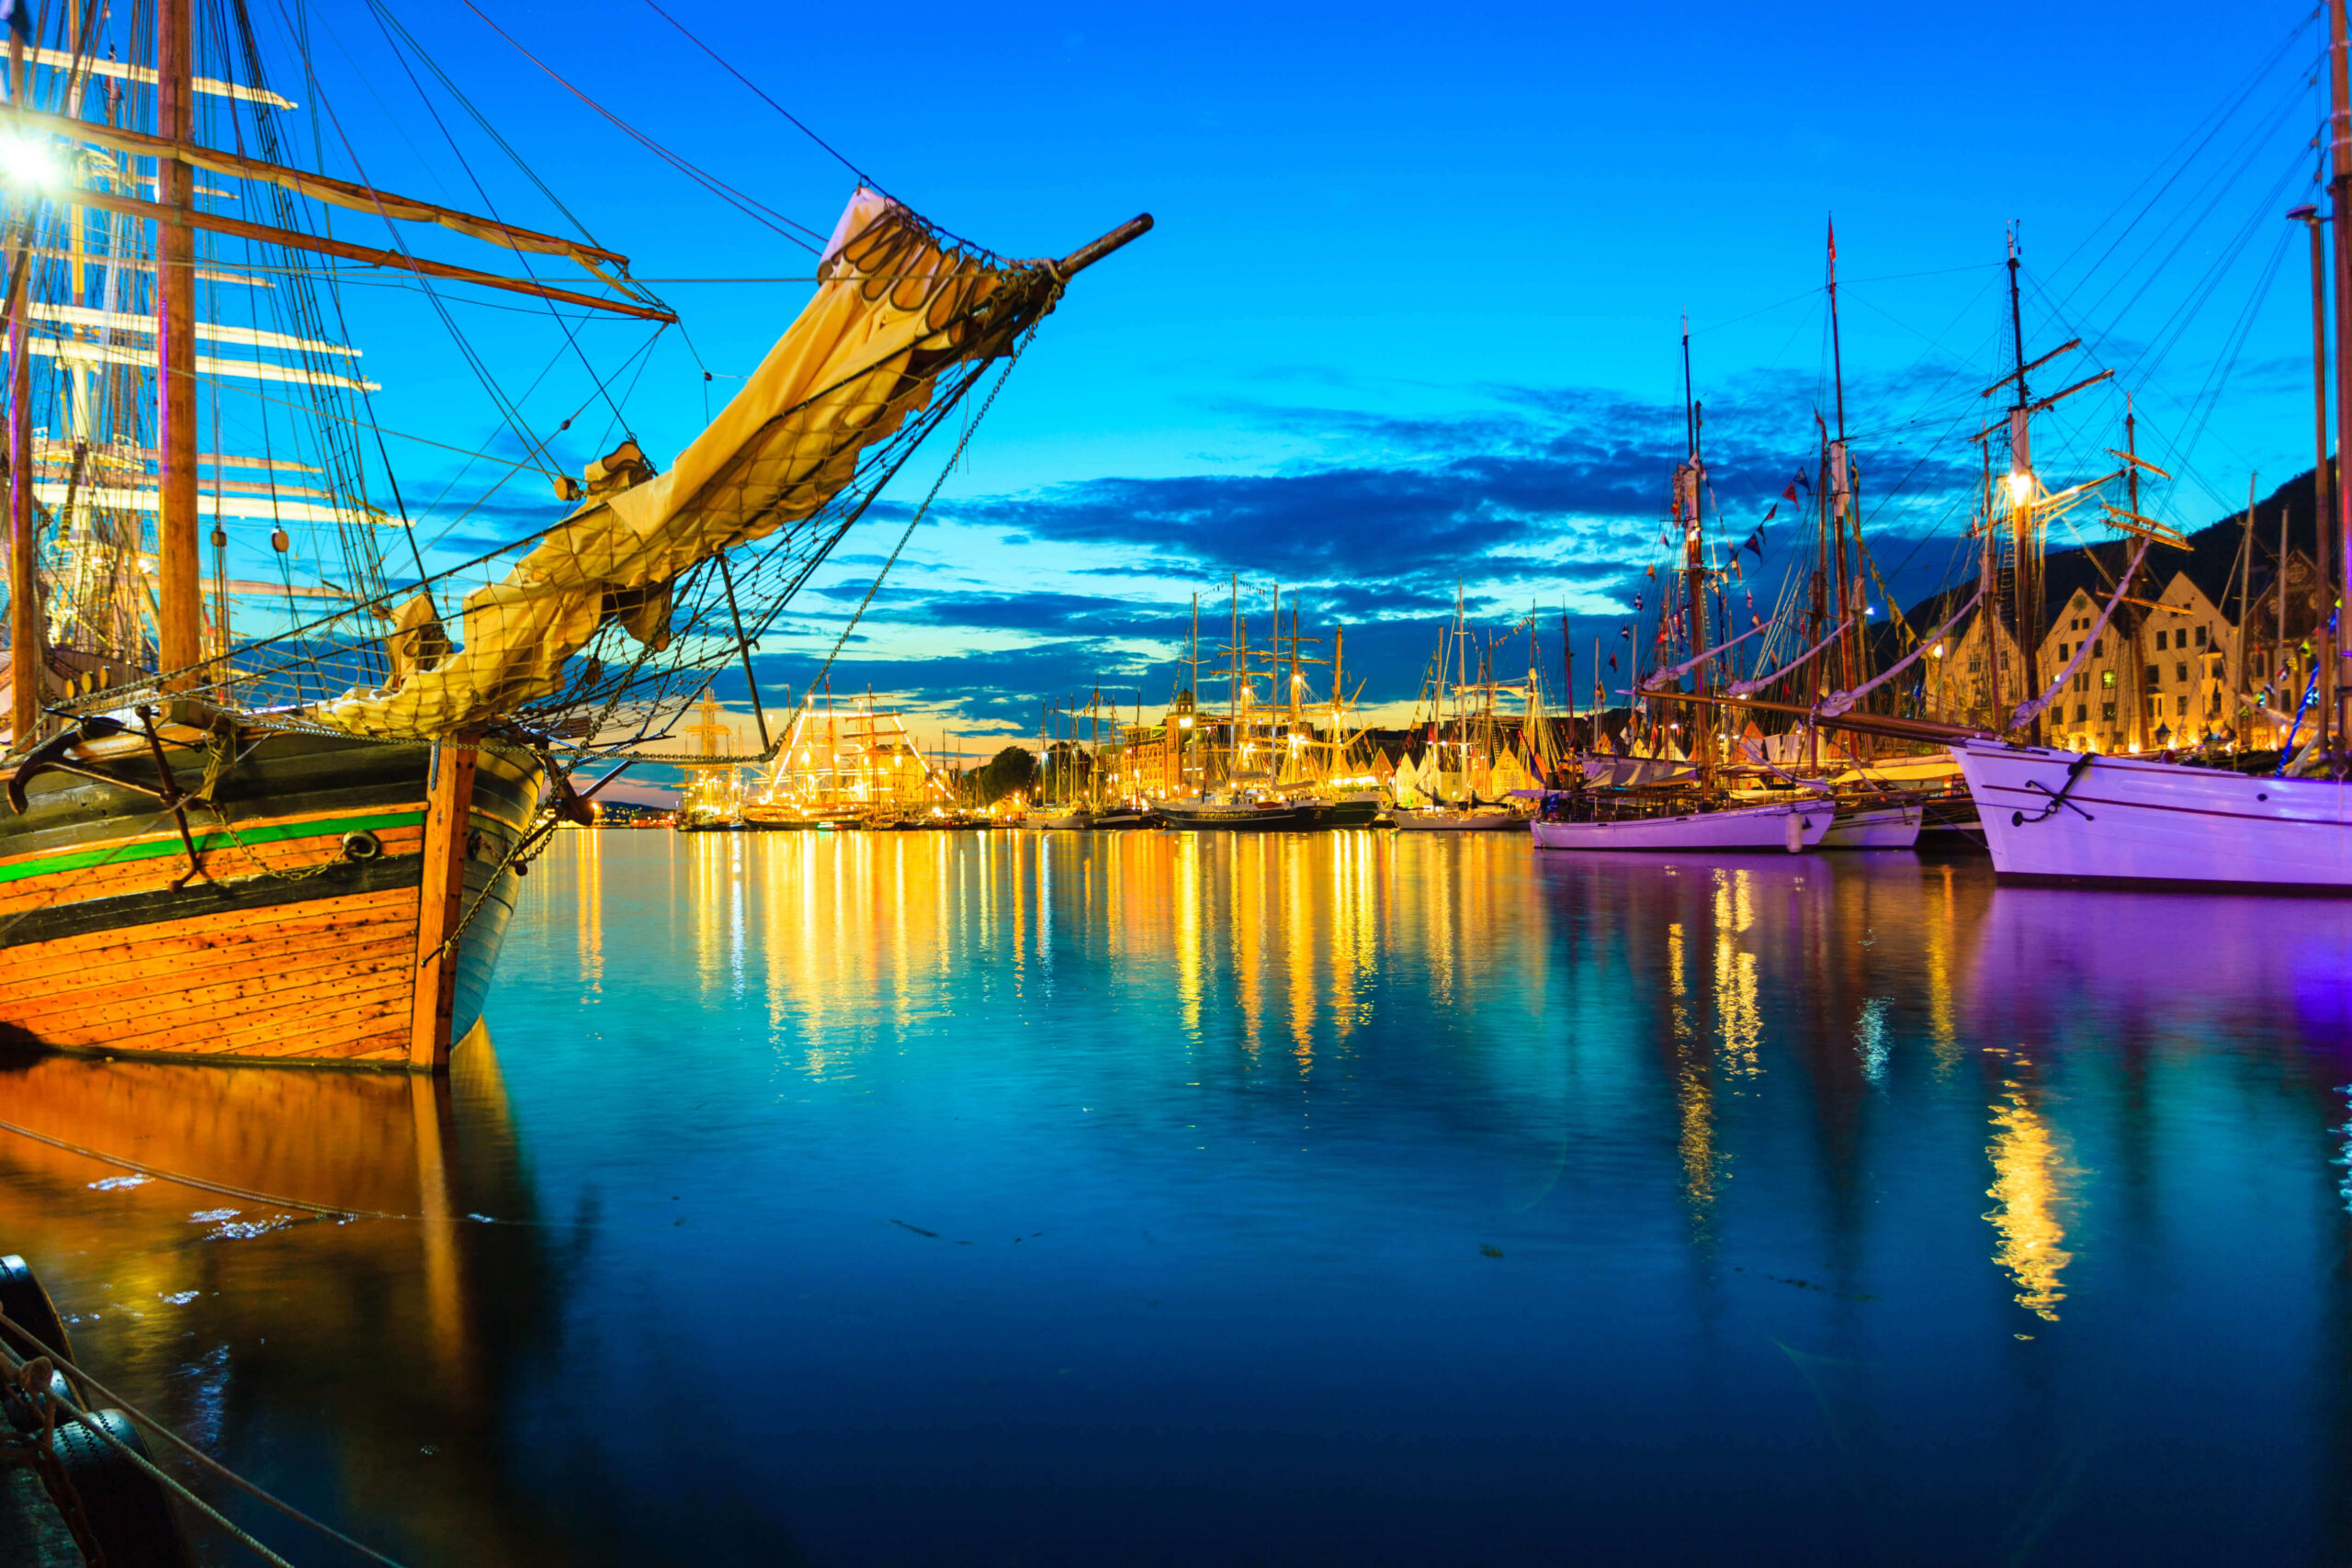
[(1604, 824), (1874, 824), (1075, 819), (1459, 819), (1237, 814)]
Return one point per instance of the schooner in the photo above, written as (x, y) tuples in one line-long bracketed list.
[(302, 844)]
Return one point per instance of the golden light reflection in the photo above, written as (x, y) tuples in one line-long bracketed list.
[(1943, 1034), (1738, 1006), (2028, 1173), (589, 861)]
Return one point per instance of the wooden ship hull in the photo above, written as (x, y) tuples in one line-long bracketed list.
[(338, 901), (1236, 817)]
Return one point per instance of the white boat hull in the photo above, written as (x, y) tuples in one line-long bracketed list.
[(2129, 819), (1875, 828), (1069, 823), (1746, 828)]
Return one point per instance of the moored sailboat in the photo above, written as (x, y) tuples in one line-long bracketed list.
[(302, 848)]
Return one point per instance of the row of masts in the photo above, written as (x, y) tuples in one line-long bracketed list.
[(178, 606)]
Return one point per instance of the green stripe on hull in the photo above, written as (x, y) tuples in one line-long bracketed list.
[(209, 840)]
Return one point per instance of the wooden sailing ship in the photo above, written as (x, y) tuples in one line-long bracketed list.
[(849, 764), (302, 845)]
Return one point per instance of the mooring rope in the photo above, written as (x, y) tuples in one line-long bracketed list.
[(87, 1384), (327, 1211)]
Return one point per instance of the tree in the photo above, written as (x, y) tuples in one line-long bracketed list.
[(1010, 769)]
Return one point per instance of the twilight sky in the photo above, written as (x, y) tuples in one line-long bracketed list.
[(1411, 315)]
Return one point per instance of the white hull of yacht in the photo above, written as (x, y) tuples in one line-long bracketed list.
[(2129, 819), (1742, 829), (1875, 828)]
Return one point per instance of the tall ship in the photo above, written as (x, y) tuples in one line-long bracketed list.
[(2215, 789), (851, 764), (267, 794)]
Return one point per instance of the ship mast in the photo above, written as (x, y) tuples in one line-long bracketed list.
[(2340, 190), (1690, 484), (178, 613), (27, 650), (2024, 577), (1845, 518)]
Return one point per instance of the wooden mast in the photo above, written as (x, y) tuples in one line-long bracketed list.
[(178, 608), (27, 653), (1694, 551), (2025, 575), (2324, 506), (1850, 667), (2340, 189)]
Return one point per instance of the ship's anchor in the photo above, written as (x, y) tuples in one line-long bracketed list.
[(2076, 771), (50, 757)]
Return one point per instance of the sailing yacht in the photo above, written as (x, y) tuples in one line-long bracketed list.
[(302, 846)]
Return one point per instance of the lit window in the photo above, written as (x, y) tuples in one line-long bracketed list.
[(2107, 680)]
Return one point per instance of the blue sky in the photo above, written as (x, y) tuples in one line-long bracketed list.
[(1411, 314)]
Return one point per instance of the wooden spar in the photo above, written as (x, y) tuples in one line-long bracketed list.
[(1858, 721), (441, 905), (2131, 521), (339, 193), (178, 641), (293, 239), (86, 66), (1086, 255), (2071, 344)]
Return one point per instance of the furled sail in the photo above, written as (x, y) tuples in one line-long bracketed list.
[(896, 307)]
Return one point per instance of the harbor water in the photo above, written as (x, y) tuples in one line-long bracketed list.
[(1041, 1198)]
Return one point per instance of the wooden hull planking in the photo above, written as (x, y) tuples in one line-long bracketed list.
[(302, 941)]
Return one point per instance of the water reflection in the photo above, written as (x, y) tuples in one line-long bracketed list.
[(1360, 1198), (226, 1311)]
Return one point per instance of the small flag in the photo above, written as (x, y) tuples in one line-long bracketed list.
[(1790, 494), (1756, 542), (1768, 513), (1802, 482)]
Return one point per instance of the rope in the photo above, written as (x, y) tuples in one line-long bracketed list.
[(921, 512), (223, 1189), (88, 1383)]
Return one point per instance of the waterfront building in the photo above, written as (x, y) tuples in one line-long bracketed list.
[(2162, 671)]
